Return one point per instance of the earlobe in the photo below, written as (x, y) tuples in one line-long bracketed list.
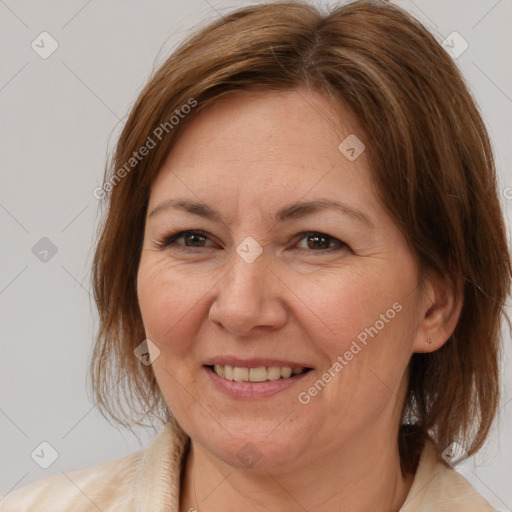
[(440, 313)]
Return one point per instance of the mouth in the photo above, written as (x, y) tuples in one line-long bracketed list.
[(258, 374)]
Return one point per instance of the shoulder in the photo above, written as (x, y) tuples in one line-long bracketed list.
[(438, 487), (108, 487), (146, 480)]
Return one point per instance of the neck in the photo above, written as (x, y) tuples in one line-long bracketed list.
[(359, 476)]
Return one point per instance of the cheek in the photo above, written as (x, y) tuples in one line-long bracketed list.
[(338, 307), (153, 295), (169, 301), (364, 320), (172, 302), (164, 297)]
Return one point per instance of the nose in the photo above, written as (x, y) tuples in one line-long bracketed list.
[(249, 297)]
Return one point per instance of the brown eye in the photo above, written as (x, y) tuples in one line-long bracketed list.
[(316, 241), (191, 239), (195, 239)]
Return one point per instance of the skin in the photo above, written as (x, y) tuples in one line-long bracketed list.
[(247, 156)]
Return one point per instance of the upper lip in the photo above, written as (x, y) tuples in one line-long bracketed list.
[(253, 362)]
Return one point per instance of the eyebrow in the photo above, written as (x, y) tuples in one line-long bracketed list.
[(291, 211)]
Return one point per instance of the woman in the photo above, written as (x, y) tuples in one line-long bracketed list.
[(302, 271)]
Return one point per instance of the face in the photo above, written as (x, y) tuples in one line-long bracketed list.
[(256, 288)]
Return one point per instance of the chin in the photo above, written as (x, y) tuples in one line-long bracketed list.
[(264, 445)]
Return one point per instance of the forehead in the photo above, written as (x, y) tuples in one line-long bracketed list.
[(263, 147), (252, 126)]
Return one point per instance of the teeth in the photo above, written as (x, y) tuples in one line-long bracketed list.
[(219, 370), (273, 373), (260, 374), (228, 372), (240, 374), (286, 372)]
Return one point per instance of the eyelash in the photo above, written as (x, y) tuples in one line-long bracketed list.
[(171, 239)]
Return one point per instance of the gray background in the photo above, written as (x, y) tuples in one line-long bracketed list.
[(59, 116)]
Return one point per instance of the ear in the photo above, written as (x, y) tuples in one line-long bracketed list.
[(439, 312)]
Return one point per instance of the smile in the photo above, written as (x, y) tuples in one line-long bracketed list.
[(259, 374)]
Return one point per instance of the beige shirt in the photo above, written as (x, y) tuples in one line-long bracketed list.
[(149, 481)]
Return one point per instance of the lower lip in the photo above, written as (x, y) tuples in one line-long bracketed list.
[(253, 390)]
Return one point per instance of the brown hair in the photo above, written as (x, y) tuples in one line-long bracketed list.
[(431, 161)]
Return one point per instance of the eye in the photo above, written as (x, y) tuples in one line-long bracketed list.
[(196, 239), (317, 241), (192, 239)]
